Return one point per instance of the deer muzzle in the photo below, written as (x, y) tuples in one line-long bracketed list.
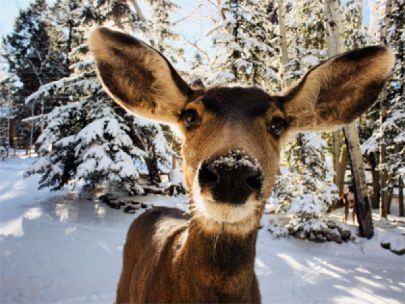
[(231, 178)]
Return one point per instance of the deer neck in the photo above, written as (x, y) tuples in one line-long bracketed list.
[(222, 263), (227, 253)]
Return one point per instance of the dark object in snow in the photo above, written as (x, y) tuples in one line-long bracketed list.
[(175, 190), (331, 233), (301, 235), (319, 238), (331, 224), (113, 205), (334, 237), (130, 209), (385, 244), (345, 234), (395, 245), (398, 252), (110, 201)]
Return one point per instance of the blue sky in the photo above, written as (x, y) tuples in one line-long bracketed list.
[(9, 10), (193, 29)]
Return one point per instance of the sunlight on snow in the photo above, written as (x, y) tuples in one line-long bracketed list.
[(261, 268), (291, 261), (66, 212), (15, 227)]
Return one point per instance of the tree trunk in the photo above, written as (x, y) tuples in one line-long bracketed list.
[(139, 13), (375, 201), (383, 170), (389, 199), (283, 38), (154, 175), (341, 170), (401, 197), (31, 129), (336, 148), (362, 206), (332, 14), (383, 116), (333, 19)]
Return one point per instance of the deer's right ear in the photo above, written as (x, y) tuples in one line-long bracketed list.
[(338, 90), (138, 77)]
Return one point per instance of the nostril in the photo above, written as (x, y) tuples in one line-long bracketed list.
[(207, 175), (255, 182)]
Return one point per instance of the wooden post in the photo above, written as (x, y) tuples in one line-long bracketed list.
[(174, 162), (362, 202), (401, 197)]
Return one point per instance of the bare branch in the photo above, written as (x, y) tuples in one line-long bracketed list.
[(195, 45), (187, 16)]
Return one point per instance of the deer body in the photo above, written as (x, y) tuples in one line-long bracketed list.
[(163, 253), (231, 148)]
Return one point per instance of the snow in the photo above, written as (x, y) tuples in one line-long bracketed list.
[(6, 112), (62, 247), (236, 159)]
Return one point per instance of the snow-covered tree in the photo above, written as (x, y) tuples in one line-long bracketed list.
[(305, 190), (91, 140), (247, 43), (5, 116), (388, 138), (160, 26), (31, 57)]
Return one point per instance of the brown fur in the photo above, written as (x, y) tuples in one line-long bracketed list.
[(139, 80), (161, 271), (208, 256), (337, 91), (349, 203)]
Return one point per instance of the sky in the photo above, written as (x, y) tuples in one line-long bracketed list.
[(9, 10), (193, 29)]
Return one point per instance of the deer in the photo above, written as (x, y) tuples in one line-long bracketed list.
[(349, 203), (231, 142)]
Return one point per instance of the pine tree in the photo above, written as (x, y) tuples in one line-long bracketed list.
[(160, 28), (394, 125), (305, 189), (387, 138), (246, 39), (93, 140), (30, 56), (5, 116)]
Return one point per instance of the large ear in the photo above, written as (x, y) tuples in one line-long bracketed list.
[(138, 77), (339, 90)]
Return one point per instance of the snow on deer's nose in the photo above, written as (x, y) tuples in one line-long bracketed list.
[(231, 178)]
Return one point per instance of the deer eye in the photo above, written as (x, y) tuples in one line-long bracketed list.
[(190, 118), (276, 126)]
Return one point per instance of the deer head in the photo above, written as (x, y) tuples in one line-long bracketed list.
[(232, 136)]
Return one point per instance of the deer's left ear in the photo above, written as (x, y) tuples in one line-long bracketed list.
[(138, 77), (339, 90)]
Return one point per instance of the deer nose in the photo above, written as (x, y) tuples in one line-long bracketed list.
[(231, 179)]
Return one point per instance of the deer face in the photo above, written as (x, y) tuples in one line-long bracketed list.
[(232, 136), (231, 151)]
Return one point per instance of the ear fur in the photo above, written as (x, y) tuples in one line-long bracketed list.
[(339, 90), (138, 77)]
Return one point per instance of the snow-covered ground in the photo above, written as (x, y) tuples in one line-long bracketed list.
[(57, 247)]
